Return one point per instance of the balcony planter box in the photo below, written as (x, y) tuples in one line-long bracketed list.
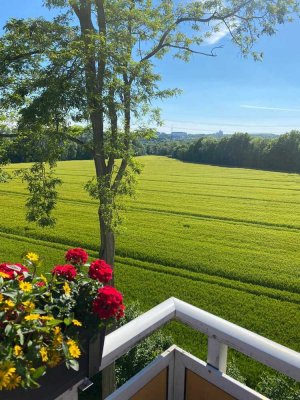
[(50, 320), (58, 380)]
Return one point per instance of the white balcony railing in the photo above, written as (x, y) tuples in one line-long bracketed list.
[(221, 336)]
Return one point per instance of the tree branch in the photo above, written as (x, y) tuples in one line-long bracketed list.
[(119, 175), (24, 55), (68, 137), (76, 140), (213, 17), (211, 54), (8, 135)]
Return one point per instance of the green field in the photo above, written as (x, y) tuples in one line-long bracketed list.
[(224, 239)]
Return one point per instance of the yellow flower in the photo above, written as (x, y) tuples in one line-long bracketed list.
[(9, 304), (14, 382), (44, 353), (73, 349), (7, 369), (58, 337), (28, 305), (57, 330), (67, 289), (32, 317), (46, 318), (18, 350), (76, 322), (4, 379), (33, 257), (25, 286), (4, 275)]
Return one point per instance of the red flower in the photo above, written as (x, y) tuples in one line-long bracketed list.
[(67, 271), (40, 284), (101, 271), (108, 303), (76, 256), (13, 270)]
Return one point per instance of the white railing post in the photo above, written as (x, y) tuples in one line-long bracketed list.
[(217, 354)]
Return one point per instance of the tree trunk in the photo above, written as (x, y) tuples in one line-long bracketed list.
[(107, 253), (107, 245)]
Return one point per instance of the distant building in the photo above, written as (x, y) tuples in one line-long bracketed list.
[(179, 135), (219, 134), (163, 135)]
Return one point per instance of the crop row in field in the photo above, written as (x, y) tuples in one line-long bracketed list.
[(254, 254), (253, 196), (173, 271)]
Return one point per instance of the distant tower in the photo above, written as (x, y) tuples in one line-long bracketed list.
[(219, 134)]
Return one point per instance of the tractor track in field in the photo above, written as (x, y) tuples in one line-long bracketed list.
[(209, 195), (234, 284), (218, 184), (208, 217), (185, 214)]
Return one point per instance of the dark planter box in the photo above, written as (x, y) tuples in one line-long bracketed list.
[(59, 379)]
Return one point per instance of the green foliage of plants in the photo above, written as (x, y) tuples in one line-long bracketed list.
[(278, 387), (242, 150), (233, 371), (43, 195), (274, 386), (38, 318)]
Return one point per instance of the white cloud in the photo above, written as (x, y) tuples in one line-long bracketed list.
[(269, 108), (217, 36)]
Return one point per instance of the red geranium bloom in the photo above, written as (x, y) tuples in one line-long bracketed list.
[(108, 303), (76, 256), (101, 271), (13, 270), (67, 271), (40, 284)]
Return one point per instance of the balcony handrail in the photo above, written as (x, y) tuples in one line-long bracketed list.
[(221, 333)]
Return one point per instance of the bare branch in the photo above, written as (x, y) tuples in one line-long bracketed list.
[(211, 54), (231, 33)]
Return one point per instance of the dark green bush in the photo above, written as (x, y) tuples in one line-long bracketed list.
[(142, 354)]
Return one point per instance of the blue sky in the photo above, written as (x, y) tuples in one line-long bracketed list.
[(227, 92)]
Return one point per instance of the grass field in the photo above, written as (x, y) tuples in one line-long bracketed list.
[(226, 240)]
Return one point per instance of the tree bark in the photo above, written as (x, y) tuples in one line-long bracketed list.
[(107, 252), (107, 242)]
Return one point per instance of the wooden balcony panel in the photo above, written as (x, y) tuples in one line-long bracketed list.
[(156, 389), (197, 388)]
